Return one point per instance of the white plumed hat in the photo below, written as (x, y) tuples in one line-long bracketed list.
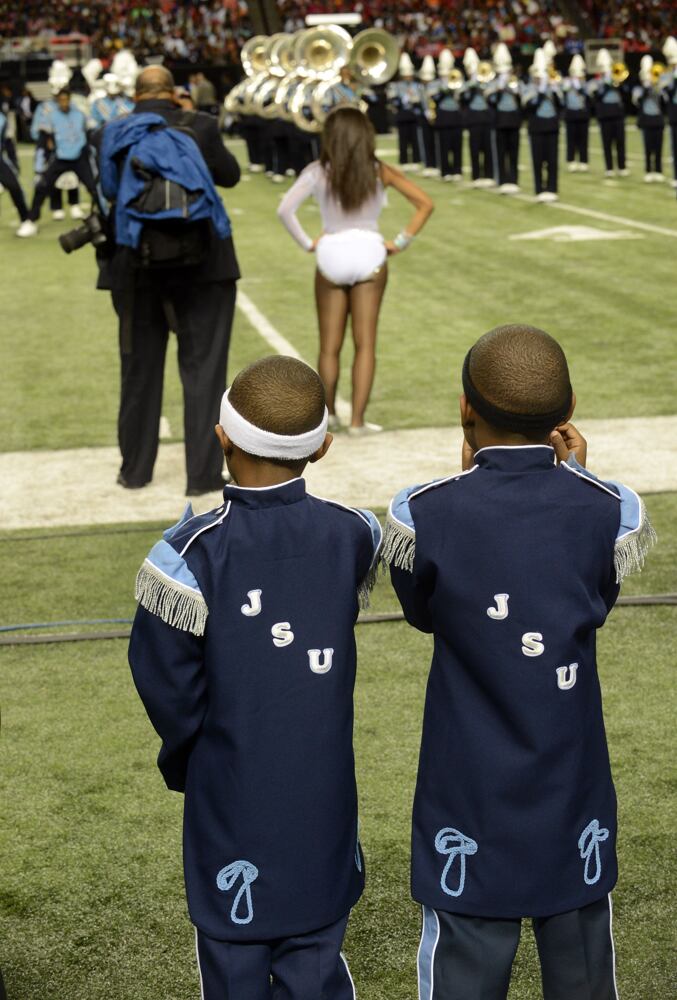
[(670, 50), (603, 61), (539, 66), (470, 61), (502, 58), (427, 70), (92, 71), (550, 50), (406, 66), (577, 66), (445, 62)]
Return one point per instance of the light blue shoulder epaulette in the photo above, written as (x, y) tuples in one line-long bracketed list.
[(636, 534), (367, 585), (399, 538), (165, 586)]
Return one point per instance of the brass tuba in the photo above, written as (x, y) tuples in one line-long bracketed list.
[(374, 56), (485, 72), (455, 80), (619, 73), (253, 55)]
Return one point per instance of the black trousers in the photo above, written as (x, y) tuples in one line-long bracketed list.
[(507, 147), (481, 160), (201, 316), (10, 181), (577, 141), (56, 198), (544, 153), (470, 958), (251, 133), (613, 134), (305, 967), (653, 149), (449, 147), (428, 138), (410, 141), (56, 168)]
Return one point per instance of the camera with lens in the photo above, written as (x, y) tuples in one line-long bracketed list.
[(91, 231)]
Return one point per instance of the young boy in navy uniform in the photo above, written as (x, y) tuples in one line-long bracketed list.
[(243, 653), (513, 565)]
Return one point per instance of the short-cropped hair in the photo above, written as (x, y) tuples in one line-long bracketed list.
[(279, 394)]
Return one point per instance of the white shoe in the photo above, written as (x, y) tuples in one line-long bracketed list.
[(504, 189), (366, 428), (609, 173), (543, 196), (277, 179), (457, 178), (269, 173), (583, 167), (572, 167), (659, 178), (648, 178), (514, 188), (550, 196), (478, 183), (448, 178), (58, 215), (256, 168), (624, 172), (410, 167), (673, 184), (27, 228), (428, 172), (334, 424), (76, 212)]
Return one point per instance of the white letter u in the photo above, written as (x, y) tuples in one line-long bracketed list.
[(566, 676), (314, 658)]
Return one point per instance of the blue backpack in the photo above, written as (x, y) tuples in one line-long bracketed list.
[(163, 193)]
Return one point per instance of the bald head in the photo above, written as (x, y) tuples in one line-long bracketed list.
[(154, 82)]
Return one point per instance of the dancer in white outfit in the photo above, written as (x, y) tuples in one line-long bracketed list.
[(349, 184)]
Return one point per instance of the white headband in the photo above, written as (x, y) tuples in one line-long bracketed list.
[(265, 444)]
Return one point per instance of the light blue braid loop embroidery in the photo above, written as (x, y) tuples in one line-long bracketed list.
[(227, 878), (455, 844), (588, 845)]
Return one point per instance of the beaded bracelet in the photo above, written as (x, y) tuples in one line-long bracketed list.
[(402, 240)]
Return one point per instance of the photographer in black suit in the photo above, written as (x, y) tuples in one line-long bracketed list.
[(195, 299)]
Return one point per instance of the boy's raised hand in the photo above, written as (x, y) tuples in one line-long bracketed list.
[(567, 440)]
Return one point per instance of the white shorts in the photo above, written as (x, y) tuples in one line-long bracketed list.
[(350, 256)]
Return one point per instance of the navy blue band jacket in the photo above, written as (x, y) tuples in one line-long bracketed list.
[(513, 566), (243, 653)]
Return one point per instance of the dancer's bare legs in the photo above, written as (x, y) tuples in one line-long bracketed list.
[(365, 304), (332, 315)]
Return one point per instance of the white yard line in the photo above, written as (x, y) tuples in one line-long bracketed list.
[(280, 344), (647, 227)]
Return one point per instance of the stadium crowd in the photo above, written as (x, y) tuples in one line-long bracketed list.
[(213, 32)]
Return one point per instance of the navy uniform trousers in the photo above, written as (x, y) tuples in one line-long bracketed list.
[(82, 167), (470, 958), (612, 131), (10, 180), (306, 967)]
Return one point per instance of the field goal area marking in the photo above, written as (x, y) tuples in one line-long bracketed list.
[(279, 344)]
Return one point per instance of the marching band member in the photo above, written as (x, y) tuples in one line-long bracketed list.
[(447, 120), (668, 93), (69, 134), (349, 183), (478, 121), (543, 100), (650, 121), (9, 175), (503, 96), (610, 113), (406, 97), (430, 86), (576, 115), (114, 104), (41, 134)]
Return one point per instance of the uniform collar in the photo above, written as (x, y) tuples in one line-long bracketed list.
[(516, 458), (266, 496)]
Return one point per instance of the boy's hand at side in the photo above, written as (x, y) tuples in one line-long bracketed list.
[(567, 440)]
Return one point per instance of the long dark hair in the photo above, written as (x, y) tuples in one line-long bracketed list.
[(348, 157)]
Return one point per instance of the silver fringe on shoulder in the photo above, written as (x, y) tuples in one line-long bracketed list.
[(174, 603), (365, 588), (399, 545), (630, 551)]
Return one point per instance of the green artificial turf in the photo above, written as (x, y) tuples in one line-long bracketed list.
[(608, 302), (92, 897)]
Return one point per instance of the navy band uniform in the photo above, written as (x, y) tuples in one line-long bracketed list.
[(525, 823), (244, 655)]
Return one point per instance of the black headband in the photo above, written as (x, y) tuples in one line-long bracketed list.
[(521, 423)]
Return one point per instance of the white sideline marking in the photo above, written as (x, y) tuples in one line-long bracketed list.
[(280, 344), (565, 207), (575, 234)]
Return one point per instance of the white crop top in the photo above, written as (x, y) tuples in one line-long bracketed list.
[(313, 181)]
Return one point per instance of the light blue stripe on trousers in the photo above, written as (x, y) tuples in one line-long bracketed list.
[(430, 935)]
